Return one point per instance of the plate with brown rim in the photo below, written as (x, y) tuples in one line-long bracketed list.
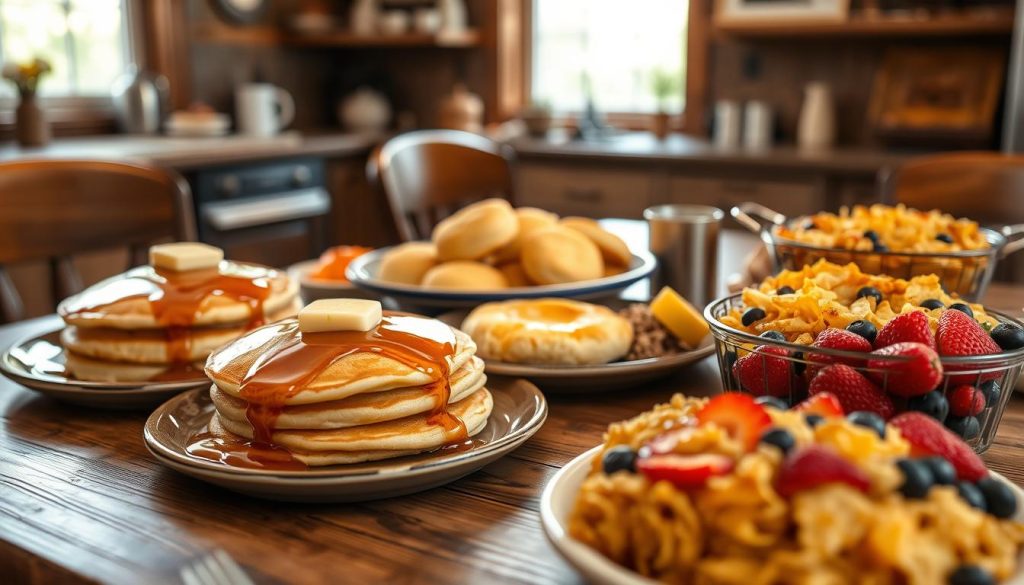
[(519, 412)]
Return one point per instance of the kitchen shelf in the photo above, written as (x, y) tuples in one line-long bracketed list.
[(988, 23), (467, 39), (216, 33)]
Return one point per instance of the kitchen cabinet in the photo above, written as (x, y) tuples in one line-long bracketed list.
[(586, 191), (790, 198)]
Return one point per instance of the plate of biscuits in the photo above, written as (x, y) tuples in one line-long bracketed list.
[(571, 346), (490, 251)]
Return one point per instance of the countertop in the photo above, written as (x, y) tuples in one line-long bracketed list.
[(190, 153)]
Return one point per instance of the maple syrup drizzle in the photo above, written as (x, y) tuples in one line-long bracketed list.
[(241, 453), (295, 359)]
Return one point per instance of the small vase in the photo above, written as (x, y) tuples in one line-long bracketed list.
[(661, 125), (30, 125), (816, 127)]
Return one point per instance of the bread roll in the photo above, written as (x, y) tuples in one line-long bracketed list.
[(465, 275), (613, 249), (558, 254), (407, 263), (530, 219), (476, 231)]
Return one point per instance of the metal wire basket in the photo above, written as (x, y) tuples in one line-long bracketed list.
[(966, 273), (730, 343)]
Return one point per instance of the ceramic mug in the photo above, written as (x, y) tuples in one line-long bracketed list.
[(263, 109)]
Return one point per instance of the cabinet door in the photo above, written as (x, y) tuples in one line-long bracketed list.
[(790, 198), (587, 191)]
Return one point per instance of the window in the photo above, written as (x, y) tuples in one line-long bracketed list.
[(620, 49), (85, 41)]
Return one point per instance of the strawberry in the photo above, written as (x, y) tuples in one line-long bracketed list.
[(815, 466), (744, 419), (766, 370), (912, 326), (853, 390), (918, 373), (840, 339), (966, 401), (928, 437), (824, 403), (960, 335), (685, 471)]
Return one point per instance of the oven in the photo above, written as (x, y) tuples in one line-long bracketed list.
[(272, 212)]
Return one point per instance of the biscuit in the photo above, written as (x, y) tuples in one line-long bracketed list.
[(548, 331), (530, 219), (407, 263), (613, 249), (558, 254), (515, 274), (465, 275), (476, 230)]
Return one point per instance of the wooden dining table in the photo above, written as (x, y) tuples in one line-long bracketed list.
[(82, 500)]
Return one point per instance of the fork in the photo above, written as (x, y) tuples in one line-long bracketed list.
[(216, 568)]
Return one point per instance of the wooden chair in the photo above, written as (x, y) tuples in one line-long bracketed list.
[(985, 186), (52, 209), (427, 175)]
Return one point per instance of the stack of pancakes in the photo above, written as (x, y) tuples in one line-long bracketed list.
[(151, 325), (360, 405)]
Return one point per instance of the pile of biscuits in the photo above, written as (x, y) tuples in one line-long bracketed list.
[(490, 245)]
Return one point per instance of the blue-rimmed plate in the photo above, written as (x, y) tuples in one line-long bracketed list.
[(362, 272)]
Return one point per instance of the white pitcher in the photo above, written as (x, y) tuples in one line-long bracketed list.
[(262, 109), (816, 127)]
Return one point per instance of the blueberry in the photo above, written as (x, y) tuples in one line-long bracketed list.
[(917, 478), (870, 291), (963, 308), (781, 438), (777, 336), (868, 420), (871, 235), (932, 304), (971, 575), (972, 495), (880, 247), (999, 498), (934, 404), (814, 420), (772, 401), (967, 427), (620, 458), (752, 315), (1008, 336), (990, 388), (798, 364), (863, 328), (942, 470), (944, 238), (785, 290), (730, 358)]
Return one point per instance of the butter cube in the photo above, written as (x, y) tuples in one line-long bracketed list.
[(340, 315), (182, 256), (679, 317)]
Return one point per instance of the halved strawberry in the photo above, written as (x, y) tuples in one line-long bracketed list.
[(666, 442), (928, 437), (744, 419), (685, 471), (919, 372), (912, 326), (959, 334), (815, 466), (854, 391), (766, 370), (823, 403), (840, 339)]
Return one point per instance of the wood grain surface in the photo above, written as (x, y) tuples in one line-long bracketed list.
[(82, 500)]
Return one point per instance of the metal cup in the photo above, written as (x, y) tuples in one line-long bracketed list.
[(684, 238)]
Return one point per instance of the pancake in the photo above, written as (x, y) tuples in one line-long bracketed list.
[(476, 230), (465, 275), (407, 263), (558, 254), (530, 219), (153, 346), (410, 434), (548, 331), (361, 409), (93, 370), (123, 301), (613, 249), (356, 373)]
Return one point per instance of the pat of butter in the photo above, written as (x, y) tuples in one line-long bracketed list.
[(182, 256), (340, 315), (679, 317)]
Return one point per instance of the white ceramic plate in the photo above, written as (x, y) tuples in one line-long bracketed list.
[(37, 362), (559, 496), (313, 289), (362, 272), (519, 411)]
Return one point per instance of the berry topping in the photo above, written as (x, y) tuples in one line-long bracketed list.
[(971, 575), (764, 371), (772, 401), (942, 470), (853, 390), (990, 389), (868, 420), (966, 401), (963, 308), (1000, 500), (912, 326), (1008, 337), (739, 415), (871, 235), (972, 495), (944, 238), (815, 466), (780, 438), (776, 335), (870, 291), (824, 404), (685, 471), (752, 315), (919, 373), (928, 437), (934, 404), (785, 290), (959, 334), (932, 304), (813, 420), (863, 328), (620, 458), (840, 339), (880, 247), (917, 478), (966, 427)]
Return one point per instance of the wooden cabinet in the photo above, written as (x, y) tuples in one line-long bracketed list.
[(789, 197), (589, 191)]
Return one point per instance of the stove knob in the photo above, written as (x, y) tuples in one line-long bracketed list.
[(301, 176), (229, 186)]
